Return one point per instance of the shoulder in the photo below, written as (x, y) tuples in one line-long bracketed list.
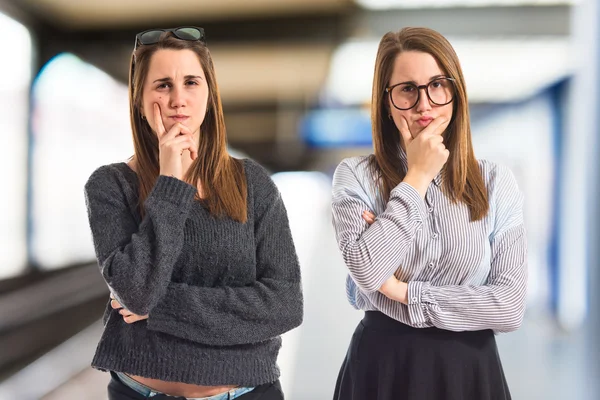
[(111, 177), (504, 196), (497, 176), (259, 179), (253, 168), (256, 174), (359, 164), (352, 170)]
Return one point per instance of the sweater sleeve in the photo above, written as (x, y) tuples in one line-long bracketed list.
[(264, 309), (136, 259)]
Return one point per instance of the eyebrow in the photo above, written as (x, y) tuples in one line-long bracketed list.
[(185, 77), (430, 79)]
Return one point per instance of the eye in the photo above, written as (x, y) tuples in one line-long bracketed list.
[(163, 86), (408, 89), (192, 83), (436, 84)]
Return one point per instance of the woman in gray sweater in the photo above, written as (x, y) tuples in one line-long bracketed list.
[(194, 244)]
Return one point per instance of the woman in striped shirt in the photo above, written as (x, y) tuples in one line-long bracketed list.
[(432, 237)]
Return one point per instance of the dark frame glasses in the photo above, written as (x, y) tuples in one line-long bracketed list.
[(152, 36), (418, 88)]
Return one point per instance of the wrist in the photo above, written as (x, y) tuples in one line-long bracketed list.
[(170, 174), (419, 181), (403, 292), (395, 290)]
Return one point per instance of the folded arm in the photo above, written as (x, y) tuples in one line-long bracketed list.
[(500, 303), (373, 253), (136, 258), (261, 310)]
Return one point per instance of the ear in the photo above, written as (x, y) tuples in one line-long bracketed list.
[(141, 111), (387, 107)]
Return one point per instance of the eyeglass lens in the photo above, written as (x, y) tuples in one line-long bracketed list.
[(406, 96)]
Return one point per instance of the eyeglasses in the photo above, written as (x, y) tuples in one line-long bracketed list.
[(405, 95), (152, 36)]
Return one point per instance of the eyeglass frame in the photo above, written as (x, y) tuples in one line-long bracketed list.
[(419, 88), (202, 37)]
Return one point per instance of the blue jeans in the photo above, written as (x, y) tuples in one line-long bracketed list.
[(149, 393)]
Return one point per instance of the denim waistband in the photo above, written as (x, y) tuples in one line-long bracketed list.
[(148, 392)]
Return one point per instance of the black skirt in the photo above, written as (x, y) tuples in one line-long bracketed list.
[(388, 360)]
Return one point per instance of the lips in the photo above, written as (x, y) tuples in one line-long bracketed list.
[(424, 121), (179, 118)]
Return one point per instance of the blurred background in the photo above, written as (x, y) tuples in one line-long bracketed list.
[(295, 78)]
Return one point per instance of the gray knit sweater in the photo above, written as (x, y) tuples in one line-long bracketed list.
[(218, 293)]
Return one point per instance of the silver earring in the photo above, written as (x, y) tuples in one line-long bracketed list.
[(390, 116)]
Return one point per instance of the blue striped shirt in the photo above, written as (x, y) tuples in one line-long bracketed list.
[(461, 275)]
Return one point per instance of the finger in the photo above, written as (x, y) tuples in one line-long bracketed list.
[(176, 130), (194, 150), (115, 304), (436, 127), (134, 318), (125, 312), (193, 147), (160, 127), (181, 143), (368, 217), (442, 128), (436, 139), (405, 131)]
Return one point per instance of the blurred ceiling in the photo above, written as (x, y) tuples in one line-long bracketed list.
[(91, 14), (276, 59)]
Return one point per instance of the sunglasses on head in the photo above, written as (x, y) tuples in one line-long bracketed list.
[(152, 36)]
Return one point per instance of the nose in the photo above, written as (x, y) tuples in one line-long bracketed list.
[(177, 98), (423, 105)]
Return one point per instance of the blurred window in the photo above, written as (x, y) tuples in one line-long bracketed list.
[(15, 70), (80, 122)]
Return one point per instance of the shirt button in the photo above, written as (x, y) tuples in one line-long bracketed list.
[(430, 209), (414, 299), (431, 265), (435, 235)]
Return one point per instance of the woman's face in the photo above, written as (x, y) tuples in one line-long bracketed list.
[(418, 68), (176, 82)]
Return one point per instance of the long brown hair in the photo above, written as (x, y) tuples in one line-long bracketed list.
[(462, 177), (222, 176)]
